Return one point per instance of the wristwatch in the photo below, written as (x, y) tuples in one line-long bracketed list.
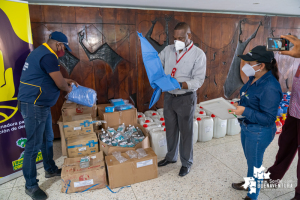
[(180, 85)]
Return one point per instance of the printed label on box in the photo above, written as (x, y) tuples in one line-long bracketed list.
[(162, 142), (77, 128), (83, 183), (82, 149), (144, 163), (93, 157), (223, 124), (207, 129)]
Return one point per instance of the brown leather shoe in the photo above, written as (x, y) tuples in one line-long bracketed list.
[(239, 186), (247, 198)]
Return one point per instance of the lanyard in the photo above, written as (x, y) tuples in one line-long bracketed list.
[(177, 61)]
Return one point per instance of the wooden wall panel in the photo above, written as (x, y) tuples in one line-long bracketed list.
[(216, 34)]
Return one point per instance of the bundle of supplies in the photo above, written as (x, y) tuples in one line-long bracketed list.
[(82, 95), (122, 137), (118, 105)]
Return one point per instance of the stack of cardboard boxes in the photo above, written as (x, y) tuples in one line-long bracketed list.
[(81, 138)]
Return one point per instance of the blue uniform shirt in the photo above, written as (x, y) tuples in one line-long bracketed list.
[(37, 86), (261, 100)]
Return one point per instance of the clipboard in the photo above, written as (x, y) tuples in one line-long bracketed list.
[(219, 107)]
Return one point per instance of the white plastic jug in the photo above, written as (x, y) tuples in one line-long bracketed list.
[(155, 116), (150, 113), (160, 111), (195, 131), (160, 119), (151, 126), (140, 115), (142, 121), (159, 142), (205, 128), (233, 127), (220, 127)]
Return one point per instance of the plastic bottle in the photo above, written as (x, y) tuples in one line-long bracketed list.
[(159, 120), (195, 131), (159, 142), (205, 128), (121, 128), (278, 126), (140, 115), (149, 127), (155, 116), (279, 112), (285, 108), (220, 127), (149, 113), (142, 121), (282, 120), (160, 111), (233, 127)]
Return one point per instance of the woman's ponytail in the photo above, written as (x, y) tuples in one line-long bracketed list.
[(273, 67)]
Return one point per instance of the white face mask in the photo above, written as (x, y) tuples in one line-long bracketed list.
[(248, 70), (179, 45)]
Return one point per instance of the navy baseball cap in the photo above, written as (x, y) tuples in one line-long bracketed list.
[(259, 54), (60, 37)]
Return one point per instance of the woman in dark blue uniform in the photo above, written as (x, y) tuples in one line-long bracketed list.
[(260, 98)]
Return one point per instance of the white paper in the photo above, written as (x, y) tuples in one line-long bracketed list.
[(207, 129), (219, 107), (144, 163), (82, 149), (83, 183), (223, 124), (162, 142), (93, 157), (77, 128)]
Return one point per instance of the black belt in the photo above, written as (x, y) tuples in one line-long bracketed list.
[(181, 95)]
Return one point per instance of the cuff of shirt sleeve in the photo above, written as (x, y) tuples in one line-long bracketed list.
[(189, 84), (247, 112)]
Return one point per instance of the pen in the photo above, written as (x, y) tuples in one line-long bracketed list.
[(233, 114)]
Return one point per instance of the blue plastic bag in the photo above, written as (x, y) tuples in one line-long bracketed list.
[(82, 95), (155, 72)]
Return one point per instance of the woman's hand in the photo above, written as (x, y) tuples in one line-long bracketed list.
[(235, 104), (238, 111)]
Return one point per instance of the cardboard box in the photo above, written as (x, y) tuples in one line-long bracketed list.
[(107, 149), (62, 137), (70, 109), (116, 118), (76, 179), (77, 125), (132, 171), (82, 145)]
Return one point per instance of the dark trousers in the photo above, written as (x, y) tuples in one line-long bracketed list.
[(39, 134), (289, 141), (179, 115)]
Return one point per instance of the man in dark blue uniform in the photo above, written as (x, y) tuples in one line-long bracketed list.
[(41, 82)]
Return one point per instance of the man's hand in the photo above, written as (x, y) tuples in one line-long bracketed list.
[(295, 52), (70, 81), (239, 110)]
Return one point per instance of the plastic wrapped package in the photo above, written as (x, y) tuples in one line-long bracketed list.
[(109, 109), (132, 154), (82, 95), (123, 107), (141, 153), (119, 157), (117, 102), (85, 162)]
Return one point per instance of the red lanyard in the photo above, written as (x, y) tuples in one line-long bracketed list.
[(177, 61)]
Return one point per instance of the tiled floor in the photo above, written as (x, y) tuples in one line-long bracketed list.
[(217, 164)]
